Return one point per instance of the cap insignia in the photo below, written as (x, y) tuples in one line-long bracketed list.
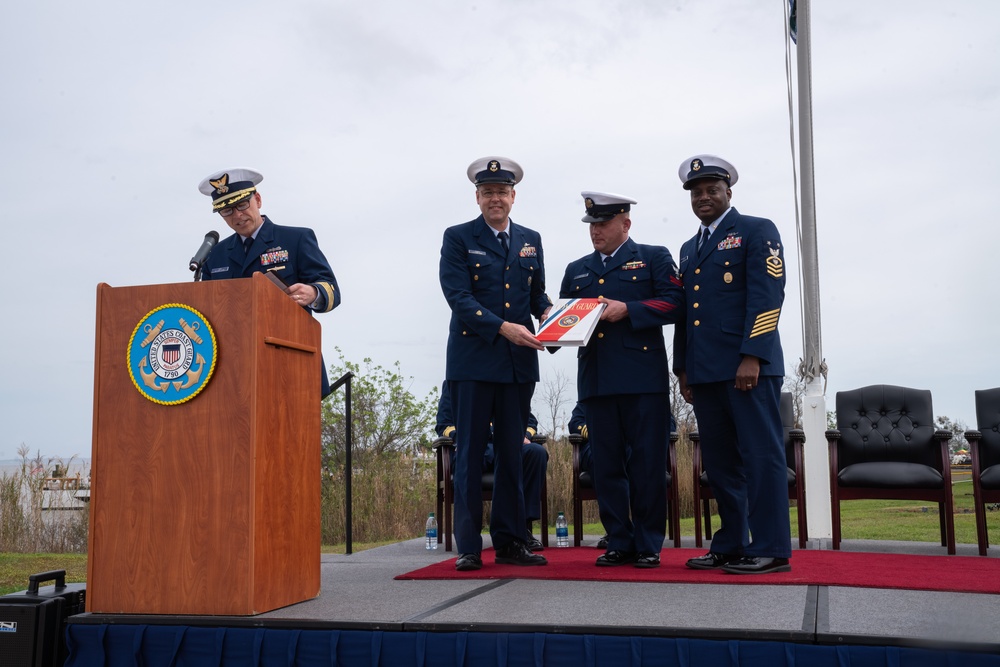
[(589, 202), (695, 165), (222, 185), (494, 166)]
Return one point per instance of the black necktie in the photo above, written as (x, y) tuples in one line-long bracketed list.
[(607, 260), (247, 242), (503, 241), (704, 238)]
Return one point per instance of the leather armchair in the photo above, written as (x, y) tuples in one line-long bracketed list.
[(885, 446), (984, 445)]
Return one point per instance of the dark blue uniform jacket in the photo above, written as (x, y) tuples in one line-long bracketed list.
[(484, 289), (629, 356)]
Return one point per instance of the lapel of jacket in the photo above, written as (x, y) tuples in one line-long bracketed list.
[(689, 250), (486, 238), (624, 254), (236, 254), (594, 264), (720, 233), (263, 241), (518, 239)]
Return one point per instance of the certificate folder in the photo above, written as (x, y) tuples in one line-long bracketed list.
[(570, 323)]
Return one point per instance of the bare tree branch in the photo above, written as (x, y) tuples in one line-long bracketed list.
[(555, 394)]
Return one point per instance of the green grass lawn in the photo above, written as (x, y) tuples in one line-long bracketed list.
[(15, 569), (912, 520), (891, 520)]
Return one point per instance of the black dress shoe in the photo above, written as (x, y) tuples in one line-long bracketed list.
[(647, 560), (602, 543), (711, 561), (468, 562), (516, 553), (758, 565), (615, 557), (533, 544)]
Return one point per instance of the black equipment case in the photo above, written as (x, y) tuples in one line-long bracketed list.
[(33, 622)]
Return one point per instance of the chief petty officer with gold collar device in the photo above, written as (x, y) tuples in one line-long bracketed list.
[(729, 364)]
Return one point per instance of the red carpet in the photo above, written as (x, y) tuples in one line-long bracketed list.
[(960, 574)]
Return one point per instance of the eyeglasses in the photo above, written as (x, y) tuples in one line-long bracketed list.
[(228, 211), (490, 193)]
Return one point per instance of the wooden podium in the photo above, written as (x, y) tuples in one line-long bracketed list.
[(209, 506)]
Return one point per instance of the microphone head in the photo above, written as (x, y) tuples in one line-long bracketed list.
[(206, 247)]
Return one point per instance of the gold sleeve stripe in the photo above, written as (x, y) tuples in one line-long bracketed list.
[(583, 431), (328, 291), (448, 431), (765, 323), (531, 432)]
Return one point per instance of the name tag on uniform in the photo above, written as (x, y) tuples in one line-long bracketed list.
[(221, 269), (476, 252)]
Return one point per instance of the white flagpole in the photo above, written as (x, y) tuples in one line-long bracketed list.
[(813, 368)]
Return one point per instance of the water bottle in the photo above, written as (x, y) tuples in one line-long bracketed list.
[(562, 531), (431, 532)]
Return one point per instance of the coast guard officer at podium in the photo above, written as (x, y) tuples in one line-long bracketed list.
[(258, 245), (728, 359), (493, 277), (623, 380)]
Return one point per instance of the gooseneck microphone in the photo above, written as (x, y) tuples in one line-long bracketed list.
[(206, 247)]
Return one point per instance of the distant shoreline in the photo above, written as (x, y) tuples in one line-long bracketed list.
[(11, 466)]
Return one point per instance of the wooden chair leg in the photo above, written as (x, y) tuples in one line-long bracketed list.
[(577, 514), (674, 520), (545, 514), (949, 509), (835, 511), (982, 537), (696, 491), (708, 518), (800, 510), (440, 511), (449, 507), (941, 524)]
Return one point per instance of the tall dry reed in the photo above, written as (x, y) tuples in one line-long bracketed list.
[(393, 493), (35, 518)]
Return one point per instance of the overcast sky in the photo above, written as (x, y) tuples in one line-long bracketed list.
[(364, 116)]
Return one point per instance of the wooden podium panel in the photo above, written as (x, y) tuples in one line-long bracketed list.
[(210, 506)]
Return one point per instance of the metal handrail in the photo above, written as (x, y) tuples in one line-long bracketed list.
[(345, 379)]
